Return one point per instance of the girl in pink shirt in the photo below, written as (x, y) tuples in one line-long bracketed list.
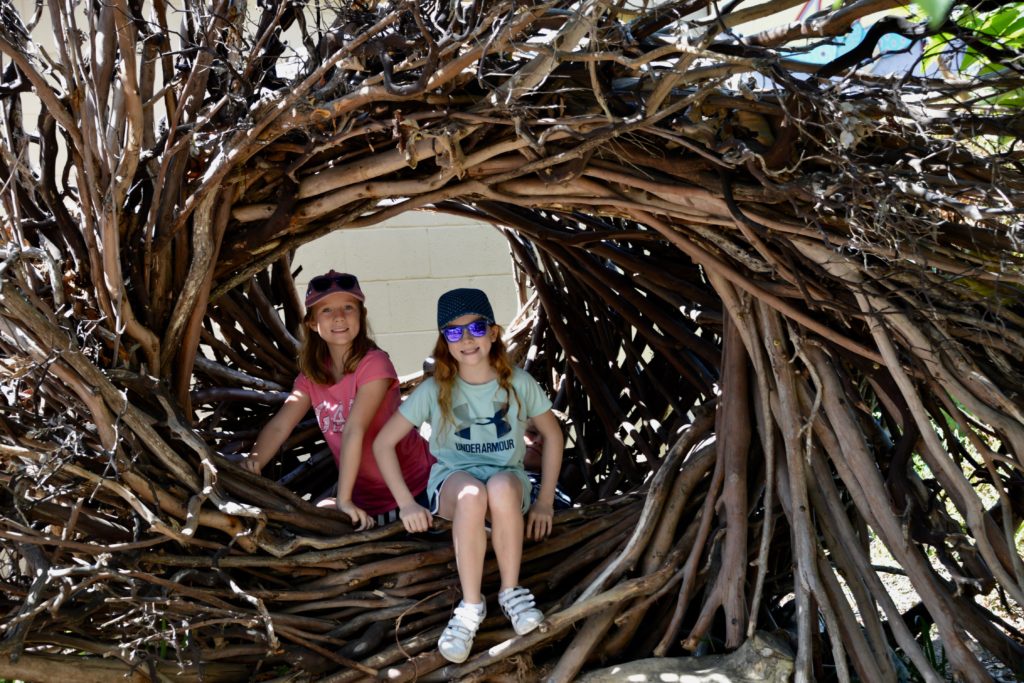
[(352, 387)]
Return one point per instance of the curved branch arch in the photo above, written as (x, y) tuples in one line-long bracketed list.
[(776, 303)]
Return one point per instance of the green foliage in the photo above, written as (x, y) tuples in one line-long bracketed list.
[(924, 631), (936, 656), (935, 10), (996, 36)]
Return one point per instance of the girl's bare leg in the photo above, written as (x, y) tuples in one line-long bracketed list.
[(463, 499), (505, 503)]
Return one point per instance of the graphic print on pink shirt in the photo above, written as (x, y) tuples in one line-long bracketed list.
[(331, 416), (332, 404)]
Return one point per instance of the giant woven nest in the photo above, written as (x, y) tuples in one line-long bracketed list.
[(777, 304)]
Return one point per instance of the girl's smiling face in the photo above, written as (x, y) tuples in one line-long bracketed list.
[(471, 351), (336, 319)]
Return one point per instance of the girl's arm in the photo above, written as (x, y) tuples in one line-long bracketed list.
[(414, 516), (276, 431), (369, 397), (542, 512)]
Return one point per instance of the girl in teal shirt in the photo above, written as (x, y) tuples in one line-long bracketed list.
[(478, 405)]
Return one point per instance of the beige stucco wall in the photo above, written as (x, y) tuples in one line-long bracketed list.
[(405, 264)]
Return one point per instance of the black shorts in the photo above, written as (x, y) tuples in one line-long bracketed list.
[(392, 515)]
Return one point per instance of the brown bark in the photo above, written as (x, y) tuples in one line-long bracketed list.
[(776, 305)]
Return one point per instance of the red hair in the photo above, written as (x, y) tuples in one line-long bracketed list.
[(446, 369)]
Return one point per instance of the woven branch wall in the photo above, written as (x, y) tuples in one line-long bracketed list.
[(776, 305)]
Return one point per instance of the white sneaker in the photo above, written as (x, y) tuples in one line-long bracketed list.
[(457, 639), (519, 606)]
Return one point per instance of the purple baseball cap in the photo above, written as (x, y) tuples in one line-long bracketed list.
[(331, 282)]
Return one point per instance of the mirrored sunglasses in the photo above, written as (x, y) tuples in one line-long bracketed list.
[(322, 283), (454, 333)]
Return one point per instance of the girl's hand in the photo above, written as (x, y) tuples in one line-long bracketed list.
[(360, 519), (539, 521), (250, 463), (415, 518)]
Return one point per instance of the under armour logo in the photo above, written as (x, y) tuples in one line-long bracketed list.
[(466, 423)]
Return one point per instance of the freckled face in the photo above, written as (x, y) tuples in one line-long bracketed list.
[(336, 318), (472, 350)]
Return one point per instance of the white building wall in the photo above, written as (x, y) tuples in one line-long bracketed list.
[(404, 265)]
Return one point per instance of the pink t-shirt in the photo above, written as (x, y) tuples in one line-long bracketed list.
[(332, 405)]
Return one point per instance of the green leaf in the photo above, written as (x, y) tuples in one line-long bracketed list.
[(996, 24), (935, 48), (990, 69), (1012, 98), (1014, 30), (970, 57), (935, 10)]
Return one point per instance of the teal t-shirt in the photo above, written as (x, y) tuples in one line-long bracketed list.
[(486, 433)]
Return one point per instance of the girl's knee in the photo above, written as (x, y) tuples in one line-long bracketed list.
[(472, 497), (504, 490), (475, 504), (462, 494)]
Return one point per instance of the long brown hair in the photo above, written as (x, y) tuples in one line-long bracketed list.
[(446, 369), (315, 355)]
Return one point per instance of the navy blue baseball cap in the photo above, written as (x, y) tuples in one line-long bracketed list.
[(459, 302)]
